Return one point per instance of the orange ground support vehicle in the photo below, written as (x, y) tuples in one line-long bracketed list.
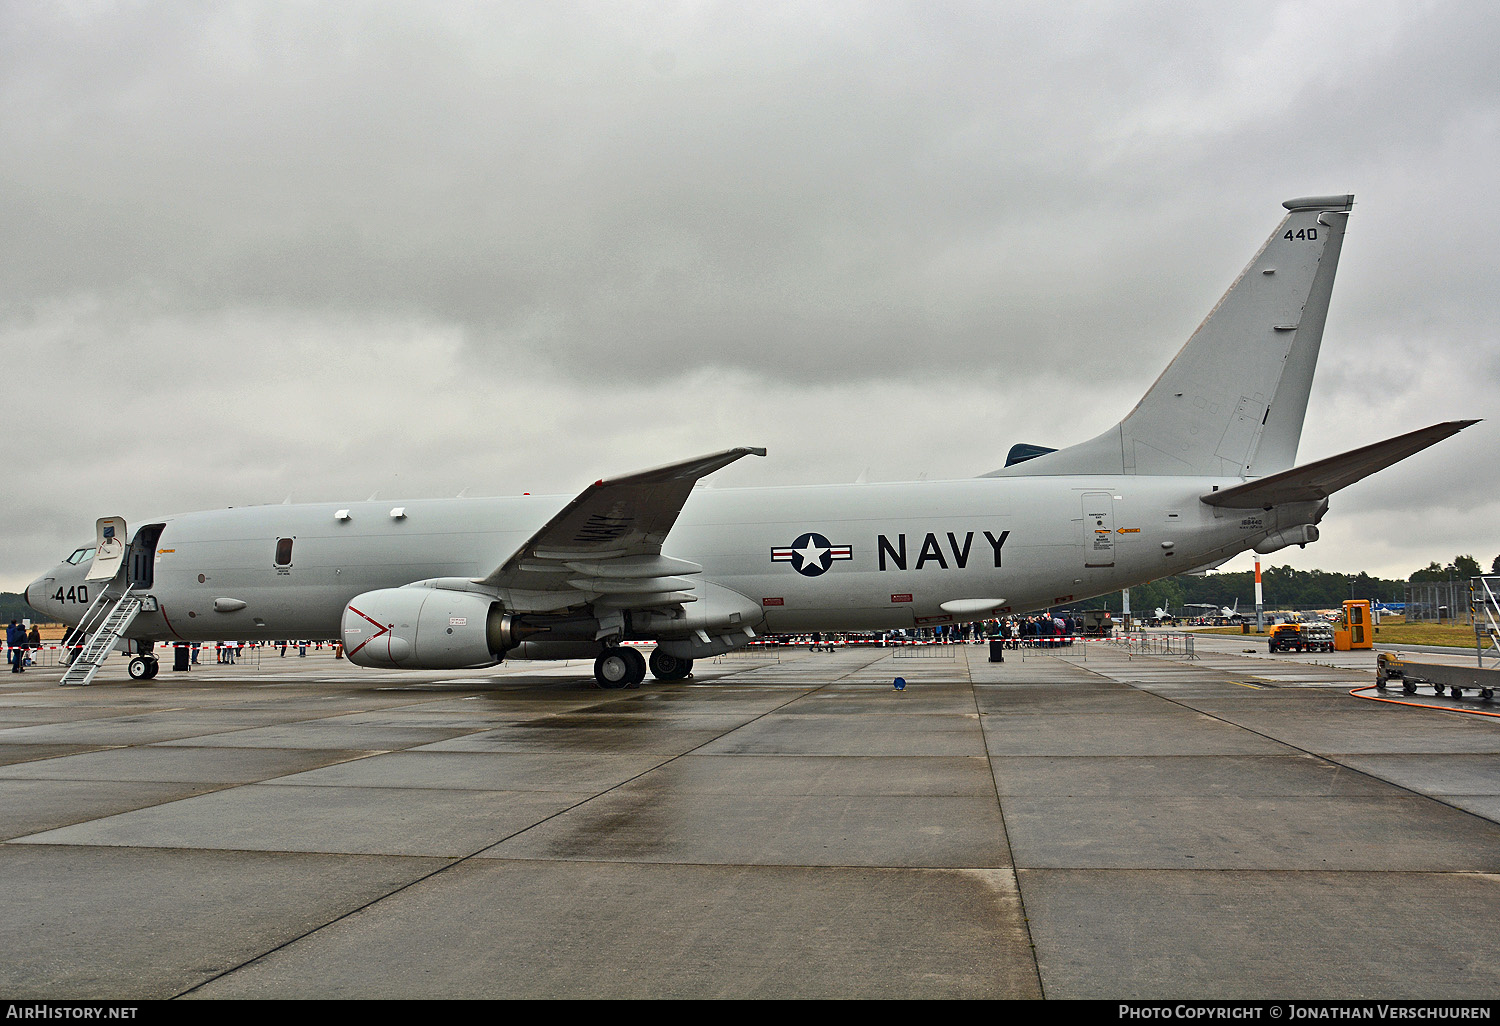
[(1301, 637), (1353, 629), (1285, 637)]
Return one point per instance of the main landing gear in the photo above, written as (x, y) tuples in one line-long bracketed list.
[(670, 667), (620, 667)]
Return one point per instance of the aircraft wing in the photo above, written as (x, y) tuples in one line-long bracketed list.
[(1316, 481), (605, 546)]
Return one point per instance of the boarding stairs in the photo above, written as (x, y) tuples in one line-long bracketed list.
[(1484, 611), (102, 626)]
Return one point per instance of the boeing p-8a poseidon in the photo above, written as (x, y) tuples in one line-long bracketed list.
[(1201, 469)]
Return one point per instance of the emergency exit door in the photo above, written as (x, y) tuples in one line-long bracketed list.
[(1098, 529)]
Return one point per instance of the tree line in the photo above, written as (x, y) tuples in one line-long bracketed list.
[(1283, 587), (13, 607)]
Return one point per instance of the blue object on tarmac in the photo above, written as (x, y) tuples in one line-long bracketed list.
[(900, 683)]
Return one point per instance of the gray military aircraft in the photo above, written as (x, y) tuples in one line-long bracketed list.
[(1203, 468), (1210, 609)]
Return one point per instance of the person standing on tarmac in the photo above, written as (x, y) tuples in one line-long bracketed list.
[(15, 641)]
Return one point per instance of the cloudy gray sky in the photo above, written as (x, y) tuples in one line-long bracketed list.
[(259, 250)]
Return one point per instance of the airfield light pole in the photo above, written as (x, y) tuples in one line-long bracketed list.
[(1125, 607), (1260, 616)]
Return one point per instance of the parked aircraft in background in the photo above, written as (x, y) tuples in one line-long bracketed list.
[(1201, 469), (1210, 609)]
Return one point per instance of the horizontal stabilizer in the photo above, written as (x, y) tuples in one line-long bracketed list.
[(1316, 481)]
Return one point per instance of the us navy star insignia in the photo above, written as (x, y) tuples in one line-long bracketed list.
[(811, 554)]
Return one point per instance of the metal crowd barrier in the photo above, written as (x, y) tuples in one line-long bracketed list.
[(1141, 643), (1074, 645), (932, 650), (764, 653), (45, 656), (246, 653)]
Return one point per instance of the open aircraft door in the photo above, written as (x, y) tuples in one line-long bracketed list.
[(1098, 529), (109, 549), (141, 572)]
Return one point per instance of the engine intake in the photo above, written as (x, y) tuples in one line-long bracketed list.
[(418, 628)]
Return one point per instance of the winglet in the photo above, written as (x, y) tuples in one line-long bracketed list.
[(690, 469), (1314, 482)]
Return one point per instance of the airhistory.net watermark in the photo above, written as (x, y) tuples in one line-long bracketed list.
[(45, 1010)]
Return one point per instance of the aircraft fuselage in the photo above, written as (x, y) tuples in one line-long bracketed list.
[(826, 558)]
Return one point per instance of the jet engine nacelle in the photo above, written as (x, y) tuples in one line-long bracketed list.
[(419, 628)]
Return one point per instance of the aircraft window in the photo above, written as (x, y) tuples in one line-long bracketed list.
[(79, 555), (284, 552)]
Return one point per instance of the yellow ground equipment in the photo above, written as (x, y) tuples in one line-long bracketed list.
[(1353, 629), (1392, 666)]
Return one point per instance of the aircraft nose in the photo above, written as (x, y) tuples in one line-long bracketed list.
[(38, 600)]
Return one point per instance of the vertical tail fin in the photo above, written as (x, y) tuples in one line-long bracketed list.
[(1232, 402)]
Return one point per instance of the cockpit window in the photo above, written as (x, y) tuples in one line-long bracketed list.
[(79, 555)]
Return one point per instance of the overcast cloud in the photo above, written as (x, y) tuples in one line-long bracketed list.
[(257, 250)]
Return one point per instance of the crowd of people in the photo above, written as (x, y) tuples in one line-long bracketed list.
[(1034, 631), (23, 647), (1039, 631), (230, 651)]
